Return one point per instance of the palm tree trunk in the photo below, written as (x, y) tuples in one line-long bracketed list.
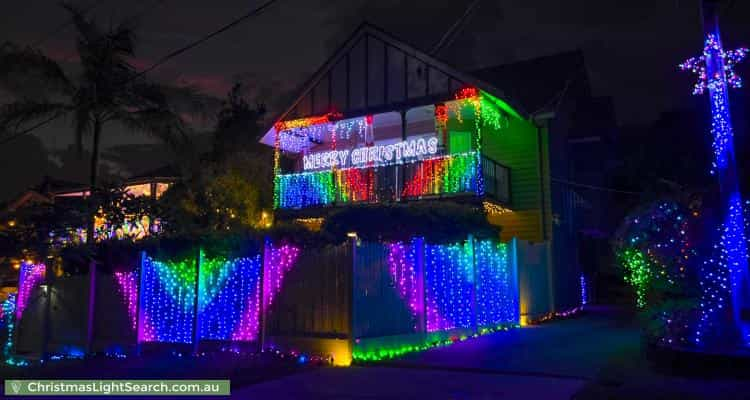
[(94, 169), (90, 236)]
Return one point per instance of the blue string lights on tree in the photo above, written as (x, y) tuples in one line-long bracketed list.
[(715, 70), (724, 274)]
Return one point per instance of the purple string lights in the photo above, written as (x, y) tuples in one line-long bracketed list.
[(127, 286), (276, 263), (402, 261), (31, 276)]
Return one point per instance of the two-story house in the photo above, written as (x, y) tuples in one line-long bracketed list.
[(382, 122)]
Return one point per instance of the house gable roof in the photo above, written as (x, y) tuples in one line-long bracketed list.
[(375, 72)]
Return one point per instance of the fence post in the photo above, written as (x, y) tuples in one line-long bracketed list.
[(262, 306), (475, 282), (47, 335), (350, 344), (513, 259), (420, 252), (91, 307), (196, 303), (418, 244), (139, 305)]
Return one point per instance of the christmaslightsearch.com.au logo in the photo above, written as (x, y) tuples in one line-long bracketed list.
[(32, 387)]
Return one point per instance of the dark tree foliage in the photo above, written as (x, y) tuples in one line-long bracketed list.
[(109, 90), (434, 220)]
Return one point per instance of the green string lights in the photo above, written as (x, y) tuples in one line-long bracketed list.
[(638, 268), (431, 342)]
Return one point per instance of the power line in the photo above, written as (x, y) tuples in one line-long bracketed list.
[(66, 24), (161, 61), (452, 31), (601, 188), (206, 38), (137, 16)]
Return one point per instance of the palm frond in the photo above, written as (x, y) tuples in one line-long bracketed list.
[(88, 31), (13, 116), (27, 73), (184, 100), (160, 123), (83, 126)]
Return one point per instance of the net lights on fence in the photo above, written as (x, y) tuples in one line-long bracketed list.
[(496, 289), (402, 261), (127, 286), (168, 301), (30, 277), (449, 286), (229, 298), (277, 262)]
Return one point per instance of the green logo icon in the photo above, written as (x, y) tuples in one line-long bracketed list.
[(16, 386)]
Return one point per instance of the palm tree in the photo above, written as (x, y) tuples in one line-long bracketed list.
[(108, 90)]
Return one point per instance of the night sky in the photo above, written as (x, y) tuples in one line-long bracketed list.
[(631, 48)]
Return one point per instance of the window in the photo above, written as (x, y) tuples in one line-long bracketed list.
[(459, 142)]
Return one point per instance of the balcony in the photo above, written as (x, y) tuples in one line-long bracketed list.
[(444, 176)]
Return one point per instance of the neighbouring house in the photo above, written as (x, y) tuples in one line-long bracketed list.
[(54, 191), (582, 131)]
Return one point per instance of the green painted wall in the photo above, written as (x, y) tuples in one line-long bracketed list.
[(517, 147)]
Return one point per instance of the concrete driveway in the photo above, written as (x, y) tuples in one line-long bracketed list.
[(549, 361)]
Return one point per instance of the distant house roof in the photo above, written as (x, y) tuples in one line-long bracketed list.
[(167, 172), (374, 72), (539, 83), (52, 188)]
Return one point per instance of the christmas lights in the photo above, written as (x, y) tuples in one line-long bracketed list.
[(441, 122), (584, 297), (10, 321), (372, 155), (127, 286), (380, 354), (31, 275), (355, 184), (277, 261), (655, 247), (449, 286), (313, 224), (305, 122), (168, 305), (639, 269), (304, 189), (496, 290), (402, 264), (728, 60), (8, 317), (452, 174), (457, 173), (725, 273), (493, 209), (229, 298)]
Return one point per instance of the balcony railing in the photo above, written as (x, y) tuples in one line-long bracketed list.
[(451, 175), (496, 180)]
